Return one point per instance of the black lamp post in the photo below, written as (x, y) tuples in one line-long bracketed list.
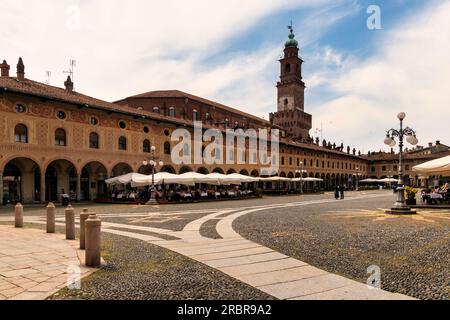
[(400, 206), (301, 172), (357, 175), (151, 162)]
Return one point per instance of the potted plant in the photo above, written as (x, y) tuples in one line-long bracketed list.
[(411, 196)]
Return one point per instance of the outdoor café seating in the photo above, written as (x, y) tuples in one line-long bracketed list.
[(191, 186)]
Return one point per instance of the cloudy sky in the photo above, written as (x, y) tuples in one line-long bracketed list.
[(358, 79)]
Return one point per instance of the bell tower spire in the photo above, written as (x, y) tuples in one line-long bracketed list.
[(291, 92), (291, 87)]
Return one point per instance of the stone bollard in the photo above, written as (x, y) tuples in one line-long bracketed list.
[(18, 215), (51, 217), (93, 241), (70, 223), (83, 217)]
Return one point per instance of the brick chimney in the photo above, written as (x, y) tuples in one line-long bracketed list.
[(438, 143), (4, 69), (68, 84), (430, 144), (20, 70)]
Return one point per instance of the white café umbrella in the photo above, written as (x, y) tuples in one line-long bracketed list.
[(435, 167), (242, 177), (196, 177), (162, 178), (311, 179), (224, 179), (125, 179), (388, 180), (275, 179), (307, 179)]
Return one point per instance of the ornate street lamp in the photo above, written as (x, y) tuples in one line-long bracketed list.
[(152, 163), (357, 175), (301, 172), (400, 206)]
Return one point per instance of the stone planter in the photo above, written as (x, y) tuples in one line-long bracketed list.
[(411, 202)]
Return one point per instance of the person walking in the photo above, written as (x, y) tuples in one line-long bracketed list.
[(342, 191), (336, 192)]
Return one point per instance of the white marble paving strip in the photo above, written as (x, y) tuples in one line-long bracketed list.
[(212, 249), (306, 286), (245, 260), (231, 254), (262, 267), (281, 276)]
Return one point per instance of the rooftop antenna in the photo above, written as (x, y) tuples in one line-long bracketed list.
[(48, 74), (73, 64)]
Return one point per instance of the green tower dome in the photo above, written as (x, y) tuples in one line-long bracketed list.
[(291, 42)]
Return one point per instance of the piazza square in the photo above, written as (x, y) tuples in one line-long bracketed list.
[(123, 191)]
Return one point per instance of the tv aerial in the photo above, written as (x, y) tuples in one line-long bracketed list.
[(70, 72)]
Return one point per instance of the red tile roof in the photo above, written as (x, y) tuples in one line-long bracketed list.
[(38, 89), (184, 95)]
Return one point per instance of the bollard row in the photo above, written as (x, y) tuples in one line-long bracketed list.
[(90, 229)]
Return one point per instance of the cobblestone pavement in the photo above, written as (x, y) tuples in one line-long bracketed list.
[(34, 264), (277, 274), (412, 252)]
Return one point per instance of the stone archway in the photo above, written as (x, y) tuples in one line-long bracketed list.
[(254, 173), (145, 170), (185, 169), (61, 177), (218, 170), (20, 181), (202, 170), (231, 171), (327, 181), (168, 168), (93, 176), (244, 172), (120, 169)]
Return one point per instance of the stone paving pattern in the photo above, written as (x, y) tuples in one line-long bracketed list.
[(34, 264), (261, 260), (413, 252)]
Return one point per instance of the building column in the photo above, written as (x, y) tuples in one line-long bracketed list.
[(78, 186), (1, 188), (43, 191), (22, 189)]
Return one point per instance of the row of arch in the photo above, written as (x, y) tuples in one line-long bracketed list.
[(24, 180)]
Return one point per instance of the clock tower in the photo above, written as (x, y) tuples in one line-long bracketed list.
[(291, 93)]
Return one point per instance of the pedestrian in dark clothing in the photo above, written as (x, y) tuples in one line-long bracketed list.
[(336, 193), (342, 191)]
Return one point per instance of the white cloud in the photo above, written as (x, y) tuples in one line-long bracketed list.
[(410, 72), (124, 48), (119, 42)]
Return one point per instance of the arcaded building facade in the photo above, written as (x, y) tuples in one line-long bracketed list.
[(56, 140)]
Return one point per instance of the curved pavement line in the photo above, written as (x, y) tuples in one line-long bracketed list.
[(272, 272), (302, 281)]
